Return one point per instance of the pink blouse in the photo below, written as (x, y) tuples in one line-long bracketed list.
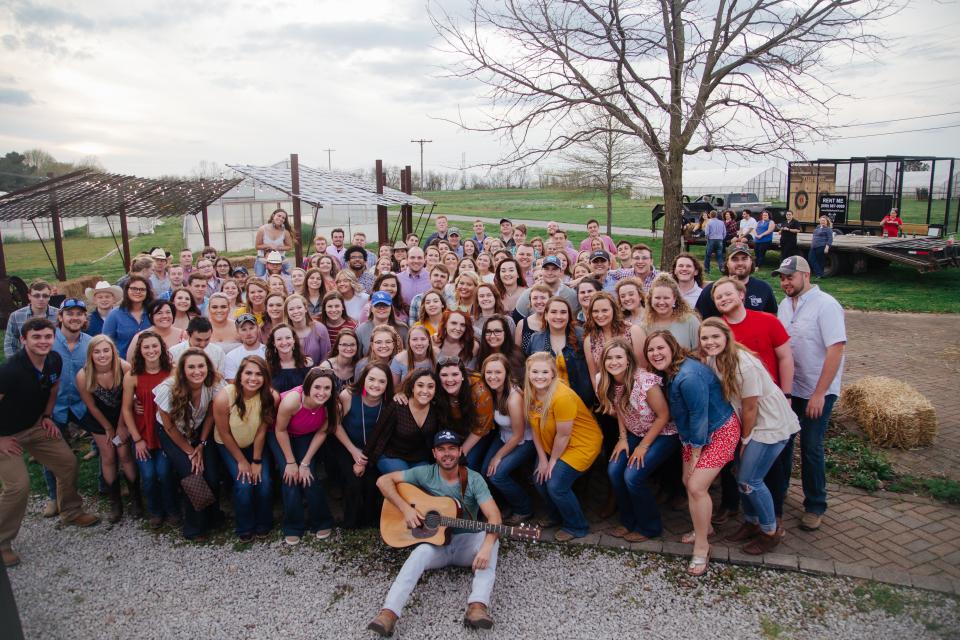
[(640, 417)]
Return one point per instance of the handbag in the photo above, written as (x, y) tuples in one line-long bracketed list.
[(198, 492)]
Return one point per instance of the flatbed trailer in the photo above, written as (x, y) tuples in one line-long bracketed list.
[(858, 254)]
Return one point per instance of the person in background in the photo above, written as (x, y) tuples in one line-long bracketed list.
[(199, 333), (209, 253), (306, 416), (29, 382), (747, 229), (788, 236), (276, 235), (71, 345), (567, 440), (593, 231), (333, 315), (205, 268), (161, 315), (336, 247), (506, 234), (519, 234), (892, 224), (820, 245), (343, 359), (716, 233), (390, 283), (441, 233), (130, 318), (479, 232), (243, 411), (509, 282), (731, 225), (436, 280), (453, 237), (355, 299), (199, 291), (240, 275), (274, 267), (250, 345), (764, 239), (177, 281), (523, 253), (185, 418), (223, 270), (709, 430), (360, 240), (432, 311), (818, 336), (629, 293), (39, 292), (142, 265), (646, 440), (102, 298), (759, 294), (160, 279), (688, 272), (100, 384), (186, 261), (470, 249), (767, 425), (151, 366), (185, 309), (668, 310), (256, 291), (625, 254)]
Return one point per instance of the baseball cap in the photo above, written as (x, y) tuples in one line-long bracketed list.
[(739, 248), (600, 255), (245, 317), (453, 231), (502, 220), (274, 257), (792, 265), (73, 303), (446, 437), (381, 297), (241, 269), (552, 261)]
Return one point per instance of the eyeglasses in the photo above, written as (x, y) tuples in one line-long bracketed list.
[(445, 360), (40, 296), (494, 332), (137, 289)]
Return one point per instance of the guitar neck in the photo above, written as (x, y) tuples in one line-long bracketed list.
[(476, 525)]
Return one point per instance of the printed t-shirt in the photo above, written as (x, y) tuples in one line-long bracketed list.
[(427, 477)]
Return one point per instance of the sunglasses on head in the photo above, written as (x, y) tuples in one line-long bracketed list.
[(445, 360), (73, 303)]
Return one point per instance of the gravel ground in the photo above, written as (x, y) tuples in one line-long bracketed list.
[(127, 582)]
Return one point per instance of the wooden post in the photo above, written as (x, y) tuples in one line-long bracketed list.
[(295, 187), (124, 234), (383, 230), (57, 234), (3, 260), (407, 211), (206, 225)]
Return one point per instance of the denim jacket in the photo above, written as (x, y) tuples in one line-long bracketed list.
[(697, 405), (576, 363)]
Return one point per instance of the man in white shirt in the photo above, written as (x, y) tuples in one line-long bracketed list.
[(250, 345), (551, 278), (337, 248), (748, 226), (199, 332), (815, 322)]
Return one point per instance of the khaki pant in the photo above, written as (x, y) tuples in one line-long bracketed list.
[(54, 454)]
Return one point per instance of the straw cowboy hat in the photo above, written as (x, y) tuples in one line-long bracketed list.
[(101, 286)]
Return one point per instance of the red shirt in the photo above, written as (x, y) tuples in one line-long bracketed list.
[(762, 333), (891, 225)]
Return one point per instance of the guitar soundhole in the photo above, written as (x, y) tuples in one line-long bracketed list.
[(430, 523)]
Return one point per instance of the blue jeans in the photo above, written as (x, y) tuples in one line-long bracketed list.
[(813, 472), (386, 464), (252, 506), (159, 485), (562, 503), (714, 247), (318, 516), (195, 523), (635, 500), (757, 500), (517, 499), (478, 453), (816, 258), (761, 249)]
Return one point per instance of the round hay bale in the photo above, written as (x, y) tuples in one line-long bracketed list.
[(892, 413)]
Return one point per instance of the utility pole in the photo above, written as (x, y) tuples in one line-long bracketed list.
[(329, 161), (421, 142)]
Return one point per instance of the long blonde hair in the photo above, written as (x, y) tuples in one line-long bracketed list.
[(529, 393), (607, 385), (727, 362), (90, 370)]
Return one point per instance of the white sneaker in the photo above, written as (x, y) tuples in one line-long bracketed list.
[(323, 534), (291, 541)]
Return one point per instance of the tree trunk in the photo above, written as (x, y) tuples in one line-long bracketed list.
[(672, 180), (609, 210)]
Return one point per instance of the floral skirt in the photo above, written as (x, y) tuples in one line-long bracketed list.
[(722, 446)]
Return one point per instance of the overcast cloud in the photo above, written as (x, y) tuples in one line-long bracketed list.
[(155, 88)]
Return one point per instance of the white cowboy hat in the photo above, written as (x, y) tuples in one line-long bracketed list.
[(274, 257), (159, 254), (100, 287)]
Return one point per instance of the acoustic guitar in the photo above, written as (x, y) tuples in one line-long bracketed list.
[(440, 513)]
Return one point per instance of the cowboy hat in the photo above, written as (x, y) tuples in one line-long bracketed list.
[(101, 286)]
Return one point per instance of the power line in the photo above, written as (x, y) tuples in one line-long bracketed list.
[(329, 162), (421, 142), (892, 133), (867, 124)]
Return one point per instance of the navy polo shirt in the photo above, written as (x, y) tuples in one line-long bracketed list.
[(26, 390)]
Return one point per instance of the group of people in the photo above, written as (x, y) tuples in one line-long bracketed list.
[(479, 368)]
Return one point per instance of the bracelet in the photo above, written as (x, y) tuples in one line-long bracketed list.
[(47, 416), (290, 463), (203, 443), (138, 441), (788, 396), (304, 464), (257, 461)]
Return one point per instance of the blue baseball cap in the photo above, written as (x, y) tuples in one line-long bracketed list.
[(446, 437), (599, 255), (552, 261), (381, 297)]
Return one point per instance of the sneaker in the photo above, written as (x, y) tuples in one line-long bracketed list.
[(477, 616), (323, 534), (811, 521), (383, 623), (10, 557), (83, 520), (50, 509), (291, 541)]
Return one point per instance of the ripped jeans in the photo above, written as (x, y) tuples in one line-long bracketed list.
[(755, 462)]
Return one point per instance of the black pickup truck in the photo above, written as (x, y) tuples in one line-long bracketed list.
[(739, 202)]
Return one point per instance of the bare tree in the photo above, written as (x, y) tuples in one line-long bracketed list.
[(682, 76), (608, 158)]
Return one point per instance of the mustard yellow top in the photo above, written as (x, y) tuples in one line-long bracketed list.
[(585, 436), (428, 326), (239, 311), (244, 430)]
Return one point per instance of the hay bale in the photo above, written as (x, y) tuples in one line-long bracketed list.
[(892, 413)]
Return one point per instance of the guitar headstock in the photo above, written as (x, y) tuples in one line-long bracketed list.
[(527, 532)]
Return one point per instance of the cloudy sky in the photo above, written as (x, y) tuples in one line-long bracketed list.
[(153, 88)]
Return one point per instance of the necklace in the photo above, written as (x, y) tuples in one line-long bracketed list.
[(363, 419)]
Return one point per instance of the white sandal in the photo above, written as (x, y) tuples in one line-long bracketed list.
[(698, 565)]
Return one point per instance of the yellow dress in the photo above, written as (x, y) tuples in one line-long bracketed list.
[(585, 437)]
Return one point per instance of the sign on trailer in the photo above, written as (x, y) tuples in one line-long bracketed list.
[(833, 206)]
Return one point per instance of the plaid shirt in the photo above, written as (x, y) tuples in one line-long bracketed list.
[(11, 339)]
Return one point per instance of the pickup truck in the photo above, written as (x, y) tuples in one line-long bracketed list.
[(739, 202)]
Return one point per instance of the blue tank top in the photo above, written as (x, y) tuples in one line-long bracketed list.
[(360, 421)]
